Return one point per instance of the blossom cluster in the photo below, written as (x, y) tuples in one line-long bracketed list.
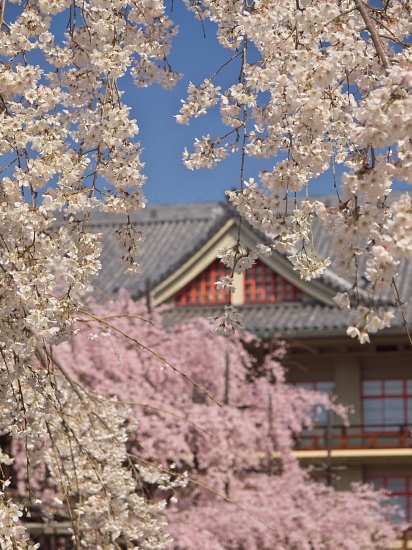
[(69, 144), (323, 92), (69, 445), (72, 146), (129, 239)]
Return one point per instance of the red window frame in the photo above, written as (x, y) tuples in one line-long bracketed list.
[(382, 394), (389, 483), (202, 290), (262, 284)]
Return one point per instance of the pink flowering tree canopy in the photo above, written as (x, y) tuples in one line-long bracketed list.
[(246, 489)]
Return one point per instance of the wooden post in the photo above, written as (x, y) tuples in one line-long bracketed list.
[(227, 379), (329, 449), (148, 296), (270, 457)]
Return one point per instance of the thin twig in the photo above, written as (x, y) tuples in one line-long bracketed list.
[(374, 35), (213, 491), (145, 405), (162, 359), (3, 11), (42, 360), (400, 303), (224, 64)]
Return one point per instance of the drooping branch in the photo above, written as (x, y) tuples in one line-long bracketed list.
[(374, 35), (150, 351)]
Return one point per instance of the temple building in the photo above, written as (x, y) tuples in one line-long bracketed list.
[(179, 268)]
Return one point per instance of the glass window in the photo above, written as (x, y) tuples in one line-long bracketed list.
[(402, 501), (393, 413), (393, 387), (327, 387), (377, 482), (401, 489), (409, 410), (387, 403), (372, 387), (372, 412), (306, 385), (396, 484)]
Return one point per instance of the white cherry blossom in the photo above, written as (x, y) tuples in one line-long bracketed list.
[(331, 85)]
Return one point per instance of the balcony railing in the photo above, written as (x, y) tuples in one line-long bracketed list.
[(356, 436), (405, 541)]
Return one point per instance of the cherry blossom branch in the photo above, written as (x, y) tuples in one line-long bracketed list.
[(230, 501), (147, 406), (61, 469), (210, 490), (373, 33), (226, 63), (43, 362), (162, 359), (129, 317), (3, 12), (401, 308)]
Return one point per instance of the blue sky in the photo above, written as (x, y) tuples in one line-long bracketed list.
[(163, 140)]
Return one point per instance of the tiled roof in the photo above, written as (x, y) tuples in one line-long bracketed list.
[(293, 319), (268, 320), (175, 232)]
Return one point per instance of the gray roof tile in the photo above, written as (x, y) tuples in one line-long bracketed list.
[(173, 233), (294, 319)]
